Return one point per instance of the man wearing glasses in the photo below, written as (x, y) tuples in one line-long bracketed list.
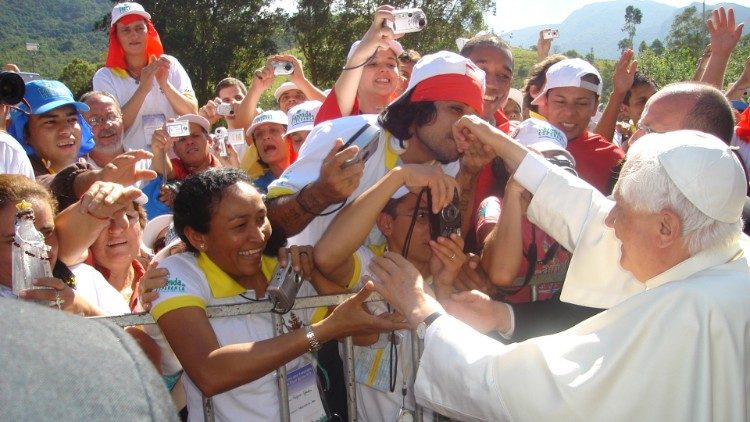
[(105, 118)]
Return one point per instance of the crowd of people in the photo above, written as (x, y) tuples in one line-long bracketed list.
[(555, 258)]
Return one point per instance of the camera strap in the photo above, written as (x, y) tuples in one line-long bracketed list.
[(531, 256)]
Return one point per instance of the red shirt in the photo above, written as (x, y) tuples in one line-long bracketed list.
[(330, 110), (180, 172), (596, 157)]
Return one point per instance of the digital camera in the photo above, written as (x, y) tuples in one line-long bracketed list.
[(282, 291), (549, 34), (366, 139), (178, 129), (12, 88), (282, 68), (407, 20), (562, 161), (224, 109), (448, 220)]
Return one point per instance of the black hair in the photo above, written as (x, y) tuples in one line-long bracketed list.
[(229, 81), (639, 79), (487, 40), (537, 78), (400, 115), (198, 195)]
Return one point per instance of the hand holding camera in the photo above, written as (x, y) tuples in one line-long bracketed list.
[(294, 266), (406, 21), (447, 220)]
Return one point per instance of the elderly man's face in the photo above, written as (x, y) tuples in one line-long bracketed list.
[(106, 123), (663, 114), (638, 231)]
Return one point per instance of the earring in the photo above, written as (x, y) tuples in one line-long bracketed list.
[(203, 246)]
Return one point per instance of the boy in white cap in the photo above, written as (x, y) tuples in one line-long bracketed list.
[(193, 151), (301, 122), (570, 98)]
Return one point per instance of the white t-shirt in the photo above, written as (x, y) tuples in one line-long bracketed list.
[(93, 287), (155, 108), (312, 153), (188, 285), (13, 158)]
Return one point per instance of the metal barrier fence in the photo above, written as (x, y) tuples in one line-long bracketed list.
[(316, 302), (239, 309)]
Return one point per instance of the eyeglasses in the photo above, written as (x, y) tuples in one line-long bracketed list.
[(98, 120), (422, 215)]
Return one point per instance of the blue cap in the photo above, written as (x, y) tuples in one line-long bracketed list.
[(739, 105), (44, 96)]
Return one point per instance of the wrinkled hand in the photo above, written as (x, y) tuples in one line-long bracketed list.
[(209, 110), (154, 278), (473, 277), (353, 318), (400, 283), (624, 73), (723, 32), (442, 187), (337, 183), (478, 311), (301, 257), (447, 259), (107, 200), (469, 129), (122, 169), (476, 156)]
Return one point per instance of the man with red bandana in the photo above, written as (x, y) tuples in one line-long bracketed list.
[(415, 128)]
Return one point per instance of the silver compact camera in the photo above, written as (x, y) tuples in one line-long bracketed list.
[(549, 34), (178, 129), (224, 109), (282, 67), (407, 20), (282, 291)]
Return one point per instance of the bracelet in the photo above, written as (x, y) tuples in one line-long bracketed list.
[(307, 210), (314, 343)]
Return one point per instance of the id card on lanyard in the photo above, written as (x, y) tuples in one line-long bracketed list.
[(305, 403)]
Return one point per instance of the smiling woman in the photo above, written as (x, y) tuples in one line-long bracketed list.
[(221, 218)]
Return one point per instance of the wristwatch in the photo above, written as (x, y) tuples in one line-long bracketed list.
[(422, 326)]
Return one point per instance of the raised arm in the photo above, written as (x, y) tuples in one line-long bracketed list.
[(502, 254), (724, 38), (181, 102), (737, 90), (248, 108), (622, 81), (298, 77)]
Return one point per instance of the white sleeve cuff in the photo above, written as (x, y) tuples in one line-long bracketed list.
[(508, 334), (531, 172)]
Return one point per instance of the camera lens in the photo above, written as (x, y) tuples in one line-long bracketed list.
[(12, 88), (450, 213), (287, 66), (422, 23)]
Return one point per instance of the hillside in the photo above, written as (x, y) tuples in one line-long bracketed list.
[(64, 30), (598, 26)]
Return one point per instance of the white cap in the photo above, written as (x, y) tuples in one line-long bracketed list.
[(128, 8), (270, 116), (286, 86), (442, 63), (703, 168), (302, 116), (194, 118), (393, 44), (542, 137), (568, 73), (152, 230), (517, 97)]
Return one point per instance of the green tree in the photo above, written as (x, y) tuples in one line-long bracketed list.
[(657, 47), (213, 39), (687, 32), (77, 76), (589, 57), (572, 54), (642, 47), (633, 16), (324, 30)]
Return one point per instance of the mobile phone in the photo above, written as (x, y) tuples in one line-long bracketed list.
[(549, 34), (407, 20), (178, 129), (282, 68), (366, 138)]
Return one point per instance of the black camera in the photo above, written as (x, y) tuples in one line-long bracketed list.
[(561, 160), (448, 220), (12, 88)]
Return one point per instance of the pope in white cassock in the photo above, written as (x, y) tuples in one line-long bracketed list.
[(670, 262)]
